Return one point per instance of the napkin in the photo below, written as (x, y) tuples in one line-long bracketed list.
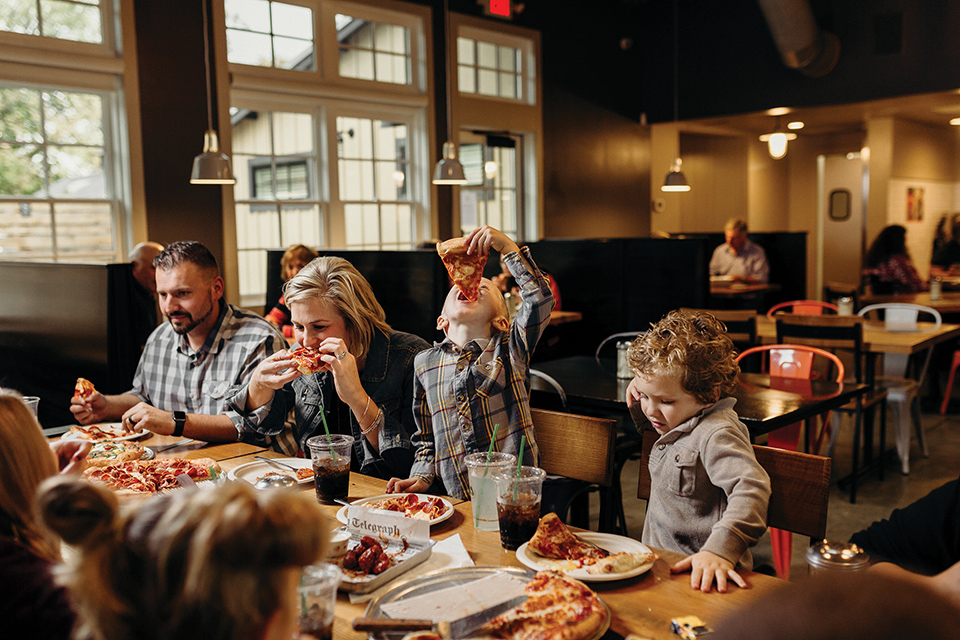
[(448, 553)]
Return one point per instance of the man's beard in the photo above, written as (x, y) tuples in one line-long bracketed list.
[(190, 323)]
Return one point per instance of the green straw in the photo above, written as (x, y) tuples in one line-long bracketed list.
[(516, 486), (323, 417), (493, 439)]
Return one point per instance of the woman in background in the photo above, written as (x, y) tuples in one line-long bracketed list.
[(888, 264), (296, 257), (31, 604), (222, 563)]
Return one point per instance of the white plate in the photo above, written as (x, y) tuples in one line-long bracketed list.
[(114, 427), (251, 471), (610, 542), (342, 514)]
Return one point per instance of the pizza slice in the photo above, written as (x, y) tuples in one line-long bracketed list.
[(308, 360), (465, 270), (83, 390), (107, 452), (554, 540), (93, 432)]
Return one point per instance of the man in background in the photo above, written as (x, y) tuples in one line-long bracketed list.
[(738, 257), (141, 257)]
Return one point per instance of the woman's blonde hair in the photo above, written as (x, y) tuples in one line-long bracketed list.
[(300, 253), (693, 346), (338, 283), (201, 564), (25, 461)]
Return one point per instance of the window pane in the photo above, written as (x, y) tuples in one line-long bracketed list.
[(371, 224), (76, 172), (20, 115), (27, 230), (292, 133), (84, 228), (486, 55), (465, 51), (19, 16), (253, 15), (245, 175), (73, 118), (292, 21), (392, 38), (252, 267), (388, 185), (71, 21), (302, 224), (487, 82), (351, 176), (353, 221), (466, 80), (356, 63), (21, 170), (291, 53), (508, 85), (508, 59), (244, 47)]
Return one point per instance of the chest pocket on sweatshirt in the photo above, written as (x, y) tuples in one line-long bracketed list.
[(489, 379), (684, 467)]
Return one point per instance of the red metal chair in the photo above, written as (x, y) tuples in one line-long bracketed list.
[(797, 362), (804, 307)]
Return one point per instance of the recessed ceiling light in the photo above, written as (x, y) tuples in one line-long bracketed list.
[(955, 121), (795, 125), (778, 111)]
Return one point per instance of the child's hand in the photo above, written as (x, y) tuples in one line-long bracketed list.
[(704, 567), (409, 485), (633, 394), (484, 238)]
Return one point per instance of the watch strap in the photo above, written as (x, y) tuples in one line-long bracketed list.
[(179, 420)]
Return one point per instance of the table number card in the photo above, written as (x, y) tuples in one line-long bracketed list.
[(385, 524)]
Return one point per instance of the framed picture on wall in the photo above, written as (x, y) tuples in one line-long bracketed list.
[(914, 204)]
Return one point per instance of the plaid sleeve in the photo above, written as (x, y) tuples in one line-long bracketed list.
[(423, 439), (537, 302), (251, 421)]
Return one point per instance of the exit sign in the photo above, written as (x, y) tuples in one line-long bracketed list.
[(500, 8)]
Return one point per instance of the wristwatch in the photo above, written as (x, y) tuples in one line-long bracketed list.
[(179, 419)]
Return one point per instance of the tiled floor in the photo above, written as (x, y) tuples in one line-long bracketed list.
[(875, 498)]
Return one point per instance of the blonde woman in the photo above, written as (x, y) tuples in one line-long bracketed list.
[(31, 604), (221, 563), (366, 387)]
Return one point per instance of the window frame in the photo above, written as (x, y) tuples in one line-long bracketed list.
[(106, 48)]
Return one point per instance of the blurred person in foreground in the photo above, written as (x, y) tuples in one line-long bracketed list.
[(888, 264), (738, 257), (32, 605), (295, 258), (195, 361), (365, 387), (222, 563)]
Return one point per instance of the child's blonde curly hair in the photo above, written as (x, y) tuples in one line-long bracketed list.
[(693, 346)]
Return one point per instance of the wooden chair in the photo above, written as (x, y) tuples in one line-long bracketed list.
[(741, 324), (799, 485), (804, 307), (843, 333), (581, 448)]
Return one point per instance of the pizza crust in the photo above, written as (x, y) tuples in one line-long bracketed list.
[(107, 452)]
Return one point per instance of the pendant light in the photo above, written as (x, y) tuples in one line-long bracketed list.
[(675, 181), (777, 141), (448, 169), (211, 166)]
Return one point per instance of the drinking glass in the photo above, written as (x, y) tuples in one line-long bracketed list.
[(518, 505), (318, 595), (32, 403), (331, 466), (483, 486)]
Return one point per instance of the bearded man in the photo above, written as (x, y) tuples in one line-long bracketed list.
[(194, 362)]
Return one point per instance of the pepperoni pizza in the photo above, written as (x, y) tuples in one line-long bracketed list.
[(140, 477), (308, 360)]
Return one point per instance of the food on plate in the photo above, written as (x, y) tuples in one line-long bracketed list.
[(553, 540), (465, 270), (304, 472), (83, 390), (411, 506), (558, 608), (106, 452), (308, 360), (368, 557), (620, 562), (151, 476), (97, 432)]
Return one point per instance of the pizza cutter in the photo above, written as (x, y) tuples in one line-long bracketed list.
[(453, 630)]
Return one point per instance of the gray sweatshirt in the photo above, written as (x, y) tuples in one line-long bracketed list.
[(708, 492)]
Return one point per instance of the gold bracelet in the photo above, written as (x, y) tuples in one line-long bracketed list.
[(364, 414), (373, 425)]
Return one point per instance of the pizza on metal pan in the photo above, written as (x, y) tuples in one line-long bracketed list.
[(152, 476), (107, 452)]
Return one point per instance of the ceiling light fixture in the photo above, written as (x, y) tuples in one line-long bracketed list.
[(675, 181), (955, 121), (796, 125), (211, 166), (448, 169), (777, 141)]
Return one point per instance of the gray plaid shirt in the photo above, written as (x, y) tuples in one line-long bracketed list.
[(172, 376)]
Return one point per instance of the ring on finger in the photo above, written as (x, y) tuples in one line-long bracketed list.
[(341, 356)]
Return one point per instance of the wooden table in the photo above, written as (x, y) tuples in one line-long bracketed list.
[(948, 303), (762, 405), (876, 339), (563, 317), (741, 289), (642, 605)]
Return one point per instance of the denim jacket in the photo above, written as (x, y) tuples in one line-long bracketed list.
[(387, 377)]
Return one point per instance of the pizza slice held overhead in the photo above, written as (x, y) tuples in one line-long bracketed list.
[(466, 270)]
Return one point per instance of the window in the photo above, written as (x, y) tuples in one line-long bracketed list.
[(489, 69), (276, 194), (492, 195), (373, 50), (269, 34), (77, 20), (56, 198)]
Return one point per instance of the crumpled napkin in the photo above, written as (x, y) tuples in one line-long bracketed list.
[(448, 553)]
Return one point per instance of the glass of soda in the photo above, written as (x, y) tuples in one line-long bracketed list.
[(318, 595), (483, 468), (331, 466), (518, 505)]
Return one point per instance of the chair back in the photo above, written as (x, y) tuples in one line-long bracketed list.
[(741, 324), (830, 333), (629, 335), (803, 307), (578, 447), (799, 487), (551, 382), (900, 316), (833, 291), (794, 360)]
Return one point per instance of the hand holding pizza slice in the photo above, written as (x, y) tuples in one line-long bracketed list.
[(307, 360), (83, 390)]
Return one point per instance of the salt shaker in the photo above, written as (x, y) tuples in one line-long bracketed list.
[(936, 288), (828, 557), (845, 306), (624, 372)]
